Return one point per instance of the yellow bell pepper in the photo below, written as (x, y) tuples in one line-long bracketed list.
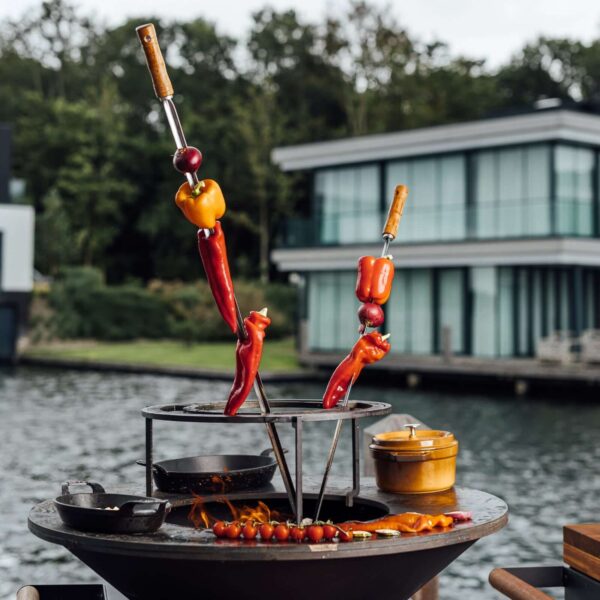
[(202, 205)]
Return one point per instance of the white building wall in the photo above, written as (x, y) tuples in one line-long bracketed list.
[(16, 229)]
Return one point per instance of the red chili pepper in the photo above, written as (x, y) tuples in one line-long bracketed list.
[(214, 258), (374, 281), (368, 349), (248, 353)]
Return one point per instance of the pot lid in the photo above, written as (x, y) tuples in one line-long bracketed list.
[(412, 439)]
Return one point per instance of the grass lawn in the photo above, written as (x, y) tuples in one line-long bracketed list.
[(279, 355)]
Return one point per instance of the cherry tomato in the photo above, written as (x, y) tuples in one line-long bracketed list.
[(297, 533), (233, 530), (219, 528), (266, 531), (282, 532), (315, 533), (329, 531), (346, 536), (249, 530)]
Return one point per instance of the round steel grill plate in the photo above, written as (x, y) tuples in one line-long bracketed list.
[(282, 411)]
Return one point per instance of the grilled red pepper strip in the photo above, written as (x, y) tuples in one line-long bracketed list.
[(368, 349), (214, 258), (374, 281), (248, 353)]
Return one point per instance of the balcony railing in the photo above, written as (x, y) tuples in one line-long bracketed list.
[(450, 223)]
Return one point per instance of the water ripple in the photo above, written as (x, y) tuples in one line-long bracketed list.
[(540, 456)]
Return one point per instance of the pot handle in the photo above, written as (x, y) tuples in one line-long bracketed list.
[(155, 466), (145, 508), (415, 456), (96, 487), (269, 450)]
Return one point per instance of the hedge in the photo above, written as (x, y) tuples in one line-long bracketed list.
[(83, 306)]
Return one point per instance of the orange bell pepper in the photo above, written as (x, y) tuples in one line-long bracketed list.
[(202, 205), (374, 281)]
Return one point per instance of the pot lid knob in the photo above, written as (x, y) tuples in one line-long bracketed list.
[(413, 430)]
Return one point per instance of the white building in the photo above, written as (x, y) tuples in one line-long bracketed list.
[(16, 257), (499, 242)]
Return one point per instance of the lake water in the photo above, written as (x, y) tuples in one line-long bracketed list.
[(541, 456)]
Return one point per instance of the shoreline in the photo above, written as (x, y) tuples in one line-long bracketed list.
[(172, 371)]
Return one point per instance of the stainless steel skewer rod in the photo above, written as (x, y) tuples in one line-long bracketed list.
[(164, 91), (271, 429), (389, 233), (331, 455)]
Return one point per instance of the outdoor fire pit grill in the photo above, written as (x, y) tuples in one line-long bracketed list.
[(181, 561)]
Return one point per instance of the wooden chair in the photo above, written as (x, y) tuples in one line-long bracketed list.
[(590, 346), (556, 348), (580, 578)]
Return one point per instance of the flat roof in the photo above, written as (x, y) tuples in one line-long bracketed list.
[(545, 125), (542, 251)]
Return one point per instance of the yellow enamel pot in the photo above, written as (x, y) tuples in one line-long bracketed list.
[(414, 462)]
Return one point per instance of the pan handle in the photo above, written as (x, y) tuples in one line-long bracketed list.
[(155, 466), (96, 487), (269, 450), (145, 508)]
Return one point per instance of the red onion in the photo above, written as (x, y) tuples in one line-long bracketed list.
[(371, 315)]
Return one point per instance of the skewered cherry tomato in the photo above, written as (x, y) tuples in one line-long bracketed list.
[(329, 531), (315, 533), (281, 532), (250, 530), (297, 533), (219, 528), (346, 536), (233, 530), (266, 531)]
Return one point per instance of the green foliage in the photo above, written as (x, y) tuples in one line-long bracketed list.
[(85, 307), (92, 145)]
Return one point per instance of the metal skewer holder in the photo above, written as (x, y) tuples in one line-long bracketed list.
[(296, 413)]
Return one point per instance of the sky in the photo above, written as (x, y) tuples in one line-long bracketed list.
[(476, 28)]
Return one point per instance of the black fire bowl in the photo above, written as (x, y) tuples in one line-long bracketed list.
[(180, 561)]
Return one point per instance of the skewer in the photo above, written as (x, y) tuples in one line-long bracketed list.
[(164, 91), (389, 233)]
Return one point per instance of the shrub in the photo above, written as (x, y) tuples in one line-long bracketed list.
[(83, 306)]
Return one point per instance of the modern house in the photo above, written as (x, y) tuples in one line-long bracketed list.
[(16, 257), (499, 244)]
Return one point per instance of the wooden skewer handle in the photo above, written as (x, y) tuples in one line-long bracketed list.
[(156, 63), (28, 593), (395, 213)]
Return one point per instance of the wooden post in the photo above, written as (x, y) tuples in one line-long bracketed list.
[(447, 343)]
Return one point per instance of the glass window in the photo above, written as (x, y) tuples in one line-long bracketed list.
[(453, 221), (347, 204), (332, 306), (409, 312), (347, 306), (512, 192), (397, 312), (435, 209), (506, 320), (574, 190), (483, 289), (451, 306)]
